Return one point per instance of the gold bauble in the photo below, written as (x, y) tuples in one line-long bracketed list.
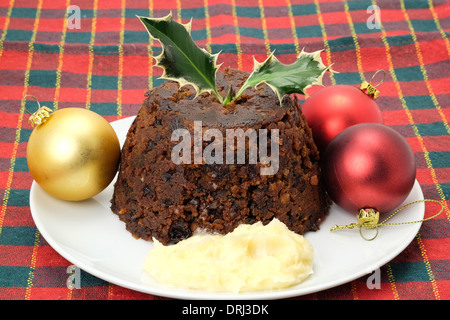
[(72, 153)]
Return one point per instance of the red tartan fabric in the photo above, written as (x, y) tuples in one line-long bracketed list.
[(106, 66)]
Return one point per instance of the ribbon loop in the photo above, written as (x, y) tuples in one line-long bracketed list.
[(40, 116)]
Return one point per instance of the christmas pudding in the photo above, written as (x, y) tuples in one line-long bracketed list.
[(210, 159), (158, 198)]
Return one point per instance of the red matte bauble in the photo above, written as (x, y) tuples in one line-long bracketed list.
[(369, 165), (332, 109)]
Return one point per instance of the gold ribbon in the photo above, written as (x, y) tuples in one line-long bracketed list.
[(368, 219)]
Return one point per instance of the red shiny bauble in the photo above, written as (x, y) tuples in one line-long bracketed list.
[(369, 165), (332, 109)]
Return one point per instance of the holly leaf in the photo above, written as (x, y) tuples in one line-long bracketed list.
[(307, 70), (181, 59)]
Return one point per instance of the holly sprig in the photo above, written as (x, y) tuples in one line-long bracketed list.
[(186, 63)]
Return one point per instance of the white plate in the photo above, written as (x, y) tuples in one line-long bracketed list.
[(90, 236)]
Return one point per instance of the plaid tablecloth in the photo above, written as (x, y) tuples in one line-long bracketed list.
[(102, 61)]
